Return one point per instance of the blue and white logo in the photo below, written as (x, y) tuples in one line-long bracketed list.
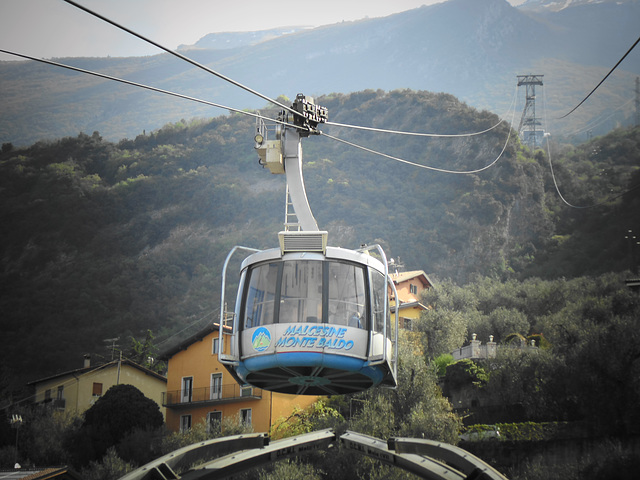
[(261, 339)]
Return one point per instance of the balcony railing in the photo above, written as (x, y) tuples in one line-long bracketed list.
[(476, 350), (226, 394), (56, 403)]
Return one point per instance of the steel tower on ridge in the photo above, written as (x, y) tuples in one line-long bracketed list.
[(528, 129)]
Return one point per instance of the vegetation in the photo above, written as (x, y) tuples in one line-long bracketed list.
[(121, 431), (118, 240), (415, 409), (124, 419), (133, 235), (590, 353)]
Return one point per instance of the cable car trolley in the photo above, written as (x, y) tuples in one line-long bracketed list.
[(309, 319)]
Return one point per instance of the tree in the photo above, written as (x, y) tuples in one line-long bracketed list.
[(604, 373), (111, 466), (121, 411), (441, 362), (291, 469), (416, 408), (42, 435), (144, 352), (444, 329), (201, 431), (317, 416), (508, 320)]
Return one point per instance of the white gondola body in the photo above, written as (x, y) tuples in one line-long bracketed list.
[(312, 323)]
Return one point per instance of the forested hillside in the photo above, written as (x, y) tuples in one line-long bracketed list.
[(103, 240)]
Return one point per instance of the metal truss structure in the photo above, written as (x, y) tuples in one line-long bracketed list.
[(530, 128), (224, 457)]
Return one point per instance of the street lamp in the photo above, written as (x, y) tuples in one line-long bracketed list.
[(16, 422), (633, 243)]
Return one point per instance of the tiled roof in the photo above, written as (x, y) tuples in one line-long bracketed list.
[(399, 277), (111, 364), (212, 327), (59, 473)]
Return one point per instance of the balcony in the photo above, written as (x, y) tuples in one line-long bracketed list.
[(210, 396), (55, 403), (475, 350)]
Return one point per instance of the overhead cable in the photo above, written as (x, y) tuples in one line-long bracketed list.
[(141, 85), (427, 167), (417, 134), (602, 81), (564, 200), (555, 180), (419, 165), (414, 134), (199, 320), (593, 123), (182, 57), (246, 88)]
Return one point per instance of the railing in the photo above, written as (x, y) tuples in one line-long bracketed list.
[(57, 403), (475, 350), (489, 350), (228, 393)]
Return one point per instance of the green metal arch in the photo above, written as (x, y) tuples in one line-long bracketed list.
[(223, 457)]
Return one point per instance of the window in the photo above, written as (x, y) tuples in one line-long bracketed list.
[(310, 291), (260, 295), (97, 389), (185, 423), (47, 395), (347, 295), (59, 402), (214, 420), (407, 323), (246, 391), (413, 289), (245, 416), (216, 386), (301, 292), (379, 291), (215, 348), (187, 389)]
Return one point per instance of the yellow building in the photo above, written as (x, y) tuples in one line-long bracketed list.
[(75, 391), (409, 286), (199, 388)]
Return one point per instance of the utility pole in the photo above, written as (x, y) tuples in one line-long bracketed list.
[(112, 341), (529, 121), (119, 366)]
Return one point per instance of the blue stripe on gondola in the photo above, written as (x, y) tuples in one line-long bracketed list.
[(310, 359)]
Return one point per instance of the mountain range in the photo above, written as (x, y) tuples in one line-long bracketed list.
[(472, 49)]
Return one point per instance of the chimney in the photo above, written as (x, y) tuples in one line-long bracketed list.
[(87, 360)]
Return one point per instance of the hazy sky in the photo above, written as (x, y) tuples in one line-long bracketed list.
[(54, 28)]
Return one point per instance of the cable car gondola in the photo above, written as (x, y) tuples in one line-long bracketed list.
[(309, 319)]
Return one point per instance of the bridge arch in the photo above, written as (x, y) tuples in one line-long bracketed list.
[(227, 456)]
